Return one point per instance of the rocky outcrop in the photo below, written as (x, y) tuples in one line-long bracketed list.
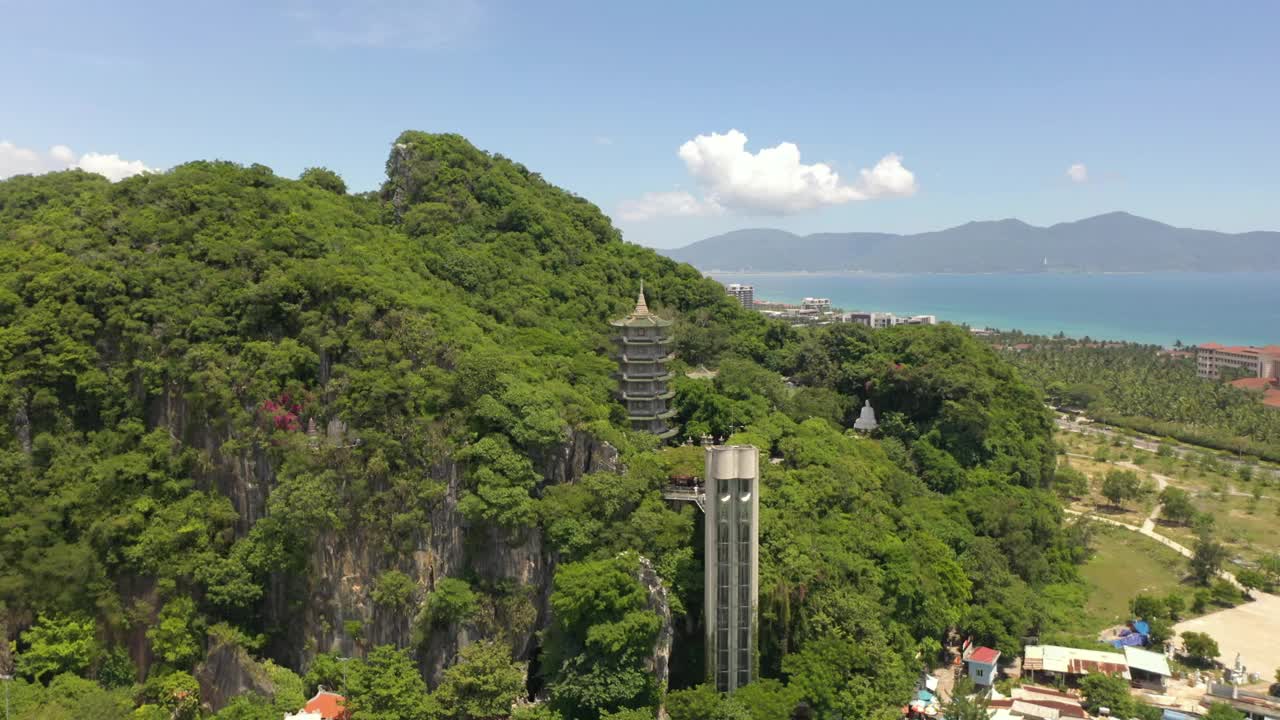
[(22, 426), (228, 671), (340, 614), (659, 662)]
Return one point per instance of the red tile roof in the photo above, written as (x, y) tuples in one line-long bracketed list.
[(1271, 350), (329, 705), (1253, 383), (985, 655)]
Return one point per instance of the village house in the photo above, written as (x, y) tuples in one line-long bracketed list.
[(981, 664), (1034, 701), (1051, 663), (324, 706), (1148, 669)]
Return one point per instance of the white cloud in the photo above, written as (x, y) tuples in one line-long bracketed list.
[(112, 166), (19, 161), (602, 140), (412, 24), (676, 203), (1078, 173), (774, 180), (16, 160), (62, 154)]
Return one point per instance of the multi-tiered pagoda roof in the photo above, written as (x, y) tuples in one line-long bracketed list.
[(643, 354)]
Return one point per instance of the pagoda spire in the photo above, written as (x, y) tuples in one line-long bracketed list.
[(642, 307)]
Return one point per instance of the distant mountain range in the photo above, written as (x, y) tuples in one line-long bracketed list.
[(1114, 242)]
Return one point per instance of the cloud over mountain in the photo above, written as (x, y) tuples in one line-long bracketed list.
[(676, 203), (16, 160), (772, 181)]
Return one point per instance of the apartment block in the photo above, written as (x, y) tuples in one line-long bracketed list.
[(744, 294), (1258, 362)]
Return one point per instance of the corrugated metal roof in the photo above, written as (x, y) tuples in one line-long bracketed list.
[(1073, 661), (1027, 709), (1147, 661)]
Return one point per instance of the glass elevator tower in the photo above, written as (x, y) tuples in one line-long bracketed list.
[(732, 549)]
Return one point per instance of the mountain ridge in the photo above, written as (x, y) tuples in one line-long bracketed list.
[(1117, 241)]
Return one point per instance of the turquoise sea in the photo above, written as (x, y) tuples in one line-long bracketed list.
[(1158, 308)]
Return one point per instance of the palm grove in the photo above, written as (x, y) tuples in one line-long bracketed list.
[(264, 435)]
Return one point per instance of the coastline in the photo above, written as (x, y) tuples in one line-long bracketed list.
[(880, 273), (1154, 308)]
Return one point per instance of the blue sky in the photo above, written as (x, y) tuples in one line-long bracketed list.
[(1172, 109)]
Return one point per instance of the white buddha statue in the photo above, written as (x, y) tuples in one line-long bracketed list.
[(866, 421)]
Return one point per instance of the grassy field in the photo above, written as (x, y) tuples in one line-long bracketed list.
[(1249, 526), (1133, 511), (1124, 565)]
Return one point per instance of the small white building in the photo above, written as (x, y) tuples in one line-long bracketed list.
[(981, 664)]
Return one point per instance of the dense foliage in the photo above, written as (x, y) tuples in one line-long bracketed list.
[(213, 375), (1138, 387)]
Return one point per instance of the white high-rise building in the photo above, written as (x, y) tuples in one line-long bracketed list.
[(744, 294)]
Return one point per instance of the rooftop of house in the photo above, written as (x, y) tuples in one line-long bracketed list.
[(329, 705), (1035, 701), (1147, 661), (1253, 383), (985, 655), (1074, 661), (1269, 350)]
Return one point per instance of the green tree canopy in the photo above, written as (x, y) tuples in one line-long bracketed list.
[(484, 683), (57, 645), (387, 686)]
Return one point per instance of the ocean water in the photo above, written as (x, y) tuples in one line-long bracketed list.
[(1158, 308)]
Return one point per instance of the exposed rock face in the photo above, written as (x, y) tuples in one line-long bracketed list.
[(6, 661), (338, 613), (22, 427), (228, 671), (344, 568), (405, 184), (658, 664)]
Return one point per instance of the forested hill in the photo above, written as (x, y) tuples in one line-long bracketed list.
[(255, 425), (1115, 242)]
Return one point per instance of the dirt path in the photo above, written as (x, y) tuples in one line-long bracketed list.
[(1162, 482)]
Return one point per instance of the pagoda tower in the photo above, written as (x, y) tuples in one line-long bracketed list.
[(643, 354)]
